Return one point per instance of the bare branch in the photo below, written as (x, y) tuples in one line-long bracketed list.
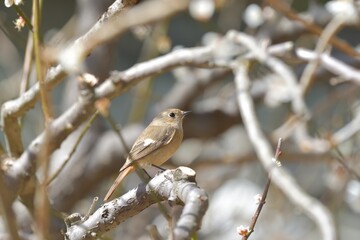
[(277, 66), (177, 186), (108, 28), (344, 71), (7, 212), (329, 31), (57, 131), (119, 82), (111, 21), (280, 176), (263, 196), (283, 7)]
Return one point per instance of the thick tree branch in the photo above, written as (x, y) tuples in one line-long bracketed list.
[(177, 186), (120, 82)]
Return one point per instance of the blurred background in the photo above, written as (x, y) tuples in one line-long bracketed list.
[(216, 144)]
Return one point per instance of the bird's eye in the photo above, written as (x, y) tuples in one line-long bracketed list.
[(172, 114)]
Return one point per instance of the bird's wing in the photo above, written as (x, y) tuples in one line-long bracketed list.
[(160, 136)]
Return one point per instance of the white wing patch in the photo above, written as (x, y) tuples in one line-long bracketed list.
[(148, 141)]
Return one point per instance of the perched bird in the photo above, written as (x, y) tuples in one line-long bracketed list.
[(156, 144)]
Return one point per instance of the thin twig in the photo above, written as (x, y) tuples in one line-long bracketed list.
[(38, 60), (27, 65), (310, 69), (153, 232), (341, 159), (263, 196), (25, 77), (91, 208), (283, 7), (23, 15), (7, 213), (42, 205), (2, 151), (117, 130), (78, 140)]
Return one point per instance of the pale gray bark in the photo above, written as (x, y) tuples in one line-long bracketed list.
[(177, 186)]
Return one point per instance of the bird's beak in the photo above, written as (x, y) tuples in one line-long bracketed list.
[(184, 113)]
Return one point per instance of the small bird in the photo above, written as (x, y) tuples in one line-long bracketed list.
[(155, 145)]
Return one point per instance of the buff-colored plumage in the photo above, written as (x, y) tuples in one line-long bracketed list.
[(156, 144)]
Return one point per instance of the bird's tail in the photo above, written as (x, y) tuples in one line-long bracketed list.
[(118, 180)]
